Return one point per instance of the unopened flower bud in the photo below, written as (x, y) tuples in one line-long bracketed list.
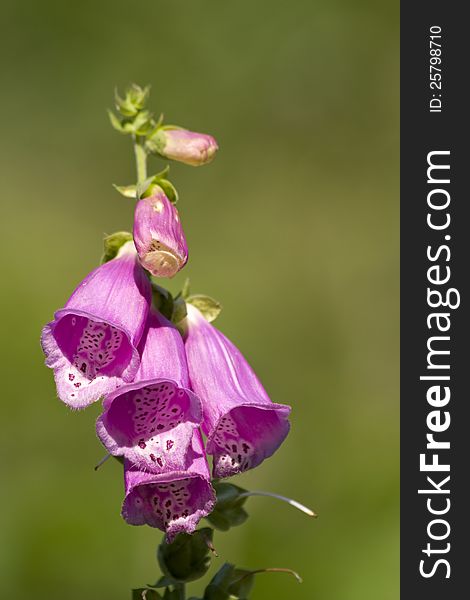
[(184, 146), (159, 236), (188, 557)]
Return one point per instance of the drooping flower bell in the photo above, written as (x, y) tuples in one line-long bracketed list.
[(185, 146), (172, 501), (92, 342), (151, 421), (242, 425), (158, 235)]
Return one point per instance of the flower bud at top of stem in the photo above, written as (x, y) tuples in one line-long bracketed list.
[(185, 146)]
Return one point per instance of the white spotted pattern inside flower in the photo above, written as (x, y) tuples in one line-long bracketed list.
[(157, 408), (234, 454), (100, 347), (169, 501), (97, 348), (145, 419)]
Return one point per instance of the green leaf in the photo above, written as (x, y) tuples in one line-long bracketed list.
[(230, 583), (188, 557), (228, 511), (209, 307), (241, 583), (233, 583), (128, 191), (112, 244), (224, 520), (145, 594)]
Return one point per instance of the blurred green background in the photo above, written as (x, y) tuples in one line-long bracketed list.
[(294, 228)]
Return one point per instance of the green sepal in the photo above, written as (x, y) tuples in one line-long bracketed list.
[(173, 309), (209, 307), (128, 191), (156, 142), (116, 122), (133, 101), (156, 126), (112, 244), (228, 511), (146, 594), (163, 174), (169, 189), (146, 187), (133, 118), (230, 583), (179, 310), (163, 300), (188, 557), (141, 124), (143, 188)]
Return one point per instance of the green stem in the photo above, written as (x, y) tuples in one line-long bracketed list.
[(140, 159), (181, 589)]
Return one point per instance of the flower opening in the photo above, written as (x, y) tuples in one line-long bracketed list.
[(92, 342)]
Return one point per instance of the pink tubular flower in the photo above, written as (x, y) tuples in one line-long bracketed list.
[(158, 235), (185, 146), (172, 501), (242, 425), (152, 420), (92, 342)]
